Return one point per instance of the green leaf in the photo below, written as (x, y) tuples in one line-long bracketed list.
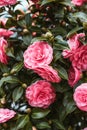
[(73, 31), (46, 2), (69, 103), (62, 72), (3, 68), (66, 3), (59, 30), (17, 93), (28, 19), (28, 126), (22, 23), (9, 79), (58, 125), (57, 55), (62, 88), (60, 40), (27, 39), (39, 113), (2, 93), (10, 52), (70, 107), (21, 122), (60, 46), (81, 15), (43, 125), (17, 67), (38, 39)]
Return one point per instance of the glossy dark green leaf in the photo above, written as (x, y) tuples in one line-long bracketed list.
[(62, 72), (46, 2), (17, 67), (28, 19), (21, 122), (43, 125), (39, 113), (17, 93), (4, 68), (9, 79), (58, 125), (73, 31), (38, 39), (81, 15), (57, 55), (27, 39), (10, 52), (60, 40)]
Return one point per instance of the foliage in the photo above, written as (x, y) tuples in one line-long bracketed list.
[(53, 21)]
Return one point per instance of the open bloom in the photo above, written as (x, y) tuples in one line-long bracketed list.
[(7, 2), (3, 46), (80, 96), (48, 73), (40, 94), (79, 58), (38, 54), (6, 114), (78, 2)]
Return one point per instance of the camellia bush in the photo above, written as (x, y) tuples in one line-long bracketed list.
[(43, 65)]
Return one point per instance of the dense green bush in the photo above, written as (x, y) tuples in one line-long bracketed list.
[(52, 21)]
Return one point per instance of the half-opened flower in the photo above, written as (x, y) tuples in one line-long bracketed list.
[(5, 33), (6, 114), (7, 2), (48, 73), (3, 55)]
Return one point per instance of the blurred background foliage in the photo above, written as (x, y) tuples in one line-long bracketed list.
[(53, 21)]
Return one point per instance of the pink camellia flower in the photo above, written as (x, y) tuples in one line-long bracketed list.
[(77, 53), (40, 94), (3, 56), (5, 33), (74, 41), (78, 2), (38, 54), (74, 76), (67, 53), (48, 73), (79, 58), (7, 2), (80, 96), (6, 114), (85, 128)]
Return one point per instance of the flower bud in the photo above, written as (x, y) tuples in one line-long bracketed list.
[(12, 71), (3, 101), (24, 85), (5, 74), (48, 34), (34, 128), (25, 31), (28, 110)]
